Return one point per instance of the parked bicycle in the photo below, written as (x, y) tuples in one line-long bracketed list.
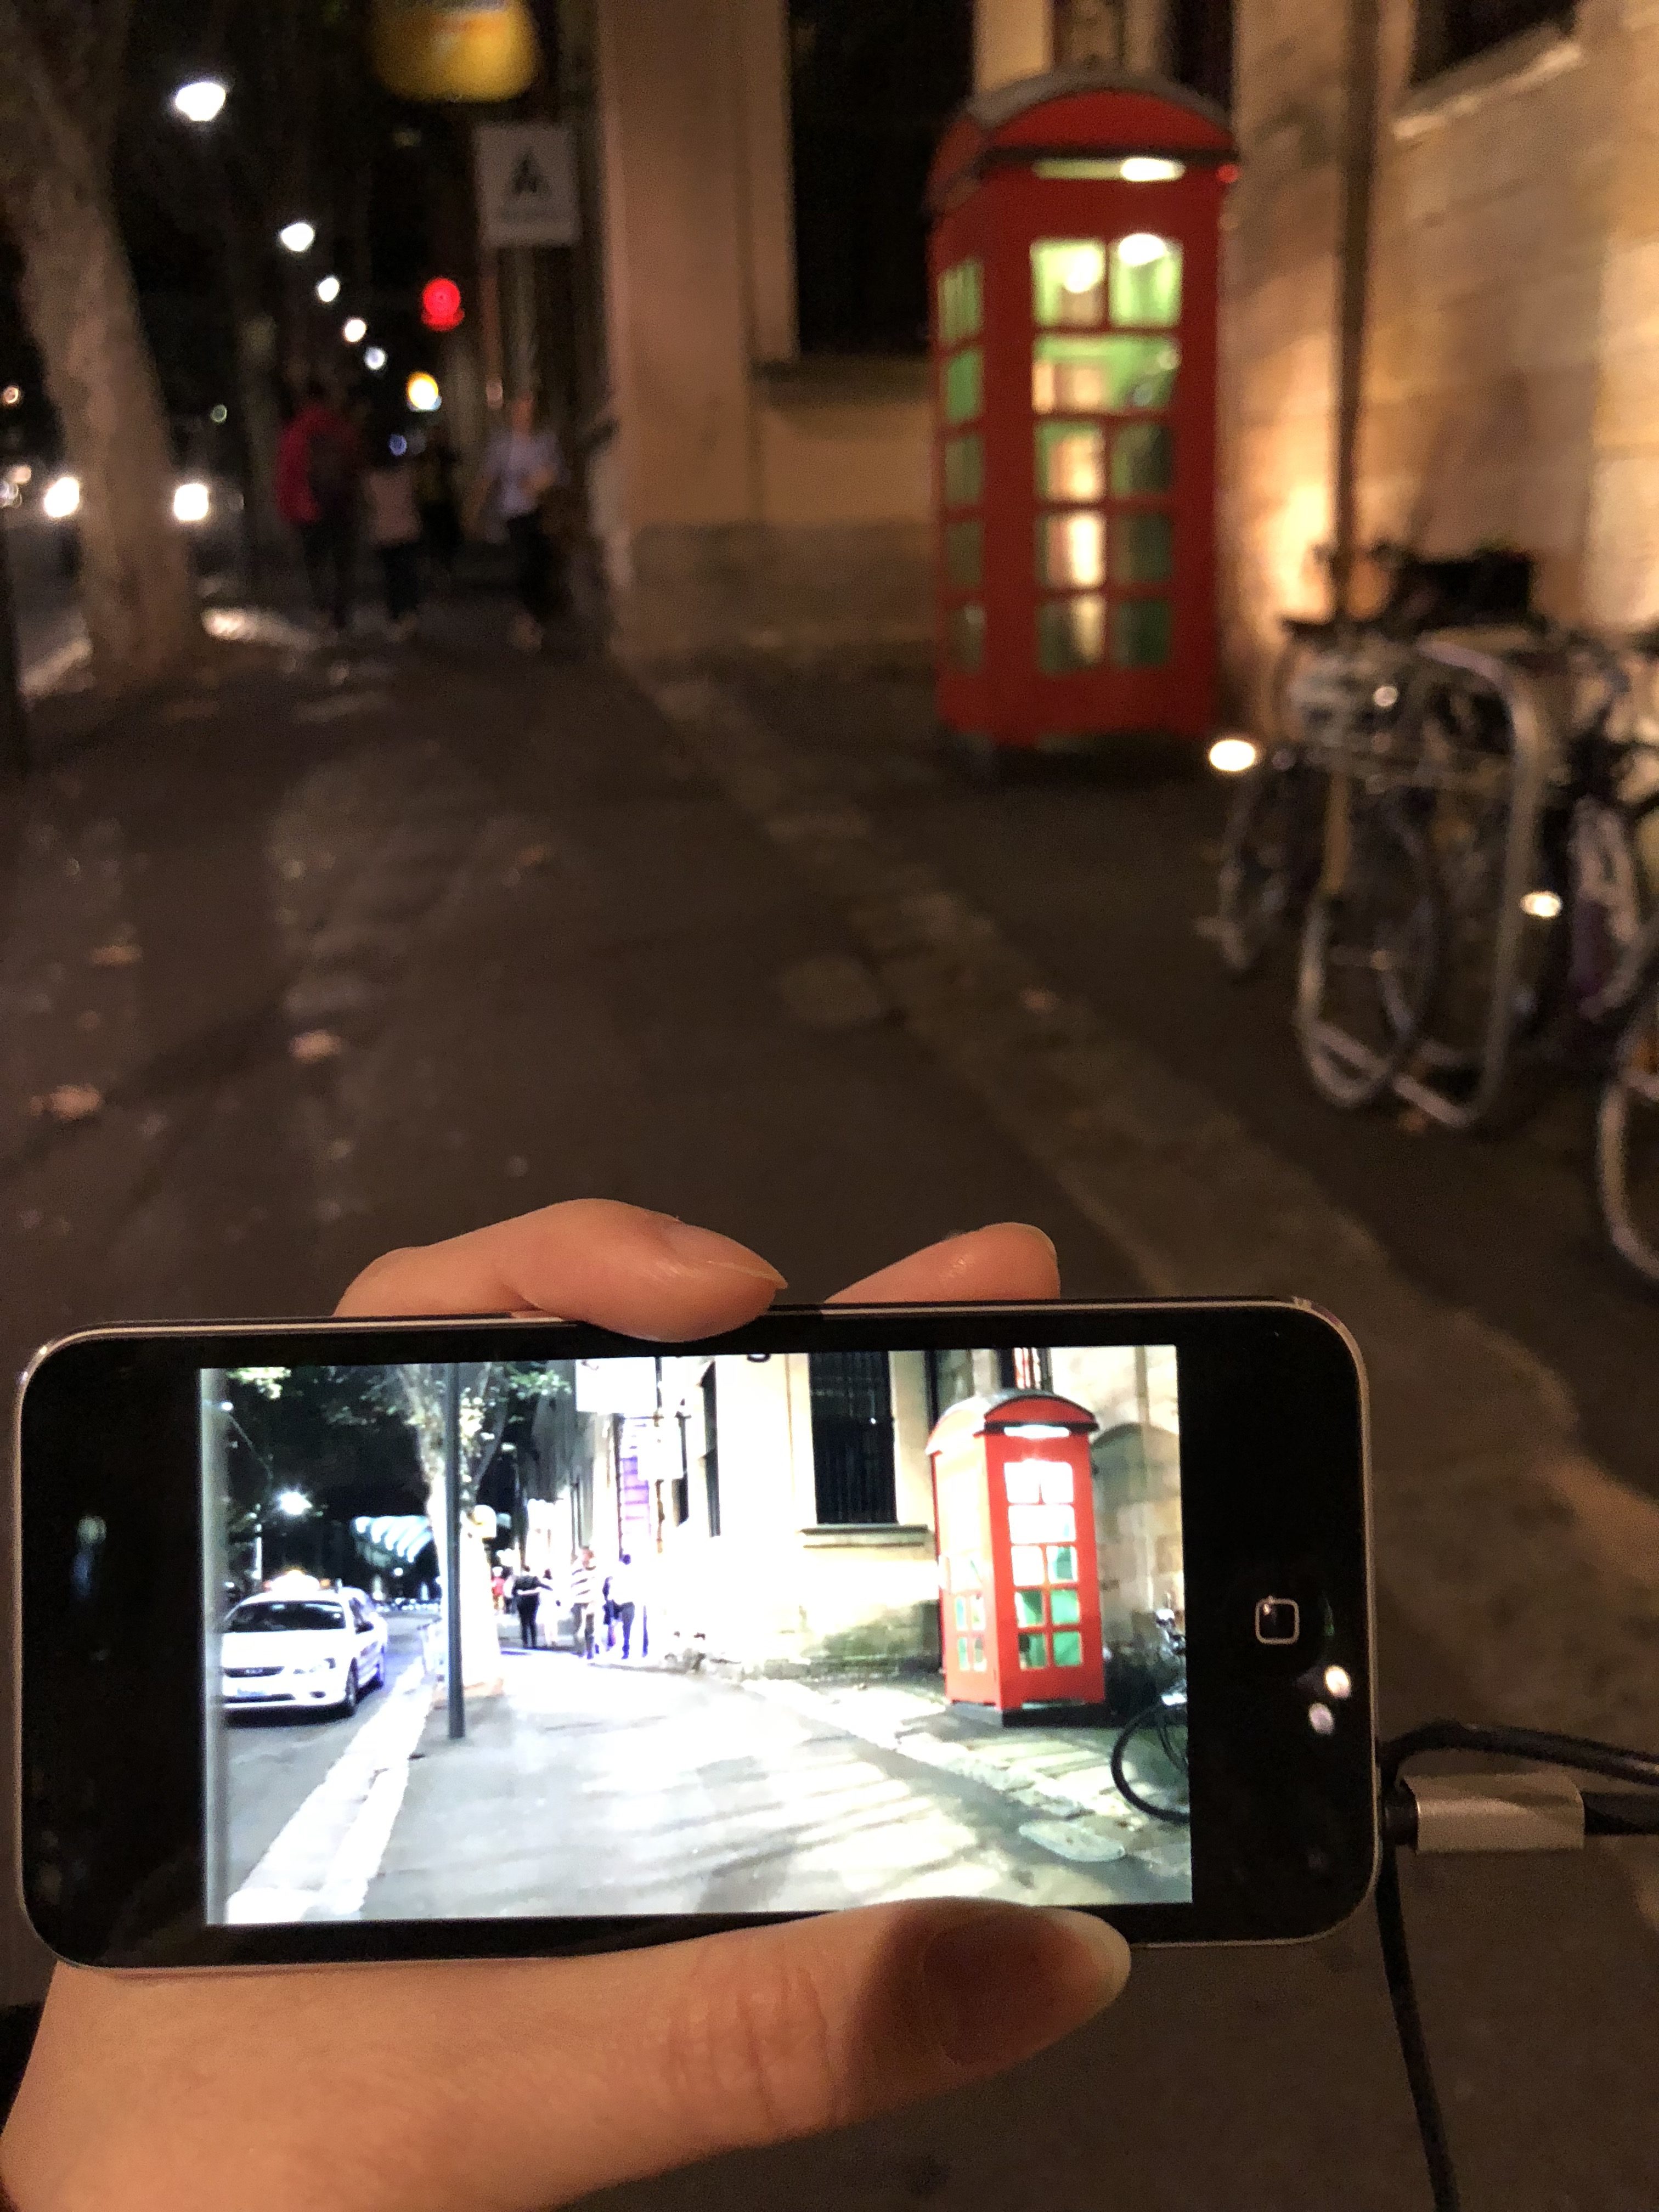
[(1387, 820), (1154, 1742), (1274, 843)]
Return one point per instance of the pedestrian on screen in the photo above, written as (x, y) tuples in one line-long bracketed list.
[(622, 1588), (581, 1600), (318, 464), (527, 1588)]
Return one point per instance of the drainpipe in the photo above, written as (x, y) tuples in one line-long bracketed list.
[(1353, 284)]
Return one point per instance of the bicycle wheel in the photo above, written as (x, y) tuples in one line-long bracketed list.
[(1157, 1739), (1269, 859), (1370, 955), (1627, 1143)]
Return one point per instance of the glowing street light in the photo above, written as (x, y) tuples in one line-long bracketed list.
[(200, 100), (60, 499), (328, 290), (375, 359), (353, 330), (12, 396), (293, 1504), (297, 237), (422, 393)]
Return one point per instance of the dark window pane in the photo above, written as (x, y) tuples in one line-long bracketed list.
[(1071, 633), (873, 84), (1142, 633), (964, 637), (965, 470), (852, 1437), (1143, 549), (1453, 31), (964, 552), (1143, 459)]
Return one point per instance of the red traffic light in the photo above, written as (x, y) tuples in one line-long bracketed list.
[(440, 304)]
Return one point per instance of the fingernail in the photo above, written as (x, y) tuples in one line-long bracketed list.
[(1005, 1981), (705, 1248)]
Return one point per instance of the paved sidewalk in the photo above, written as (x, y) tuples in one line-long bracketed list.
[(1062, 1775), (614, 1788)]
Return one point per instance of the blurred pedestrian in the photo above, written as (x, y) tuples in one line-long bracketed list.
[(440, 512), (527, 1588), (581, 1600), (394, 527), (318, 465), (522, 465), (623, 1589)]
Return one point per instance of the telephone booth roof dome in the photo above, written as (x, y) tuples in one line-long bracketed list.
[(1071, 112), (1012, 1409)]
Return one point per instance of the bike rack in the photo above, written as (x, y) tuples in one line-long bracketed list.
[(1532, 747)]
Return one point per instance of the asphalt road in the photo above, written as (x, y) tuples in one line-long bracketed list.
[(274, 1760), (607, 1789)]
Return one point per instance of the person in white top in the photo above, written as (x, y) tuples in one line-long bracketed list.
[(522, 465), (622, 1588), (394, 529)]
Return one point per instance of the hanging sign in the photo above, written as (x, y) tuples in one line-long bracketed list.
[(526, 180), (466, 50), (617, 1385)]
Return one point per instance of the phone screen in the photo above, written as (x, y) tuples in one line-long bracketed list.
[(751, 1633)]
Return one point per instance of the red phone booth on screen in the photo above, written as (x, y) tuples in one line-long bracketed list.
[(1073, 260), (1020, 1591)]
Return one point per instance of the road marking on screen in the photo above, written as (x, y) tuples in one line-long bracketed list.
[(322, 1861)]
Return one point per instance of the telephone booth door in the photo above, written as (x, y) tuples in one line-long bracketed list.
[(1074, 262), (1019, 1591)]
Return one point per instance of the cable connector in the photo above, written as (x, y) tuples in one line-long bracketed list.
[(1542, 1810)]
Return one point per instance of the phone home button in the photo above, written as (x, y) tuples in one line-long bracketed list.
[(1277, 1620)]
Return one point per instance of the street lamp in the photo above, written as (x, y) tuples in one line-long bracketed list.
[(422, 393), (328, 290), (200, 100), (293, 1503), (353, 330), (375, 359), (297, 237)]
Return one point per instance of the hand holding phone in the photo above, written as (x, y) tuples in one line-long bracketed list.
[(524, 2083)]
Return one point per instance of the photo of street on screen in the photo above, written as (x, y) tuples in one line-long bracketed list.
[(765, 1633)]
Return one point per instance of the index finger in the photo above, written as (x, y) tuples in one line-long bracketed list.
[(590, 1259)]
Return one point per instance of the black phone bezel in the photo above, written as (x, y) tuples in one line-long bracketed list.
[(1275, 1491)]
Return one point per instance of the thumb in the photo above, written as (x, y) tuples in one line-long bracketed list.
[(754, 2038)]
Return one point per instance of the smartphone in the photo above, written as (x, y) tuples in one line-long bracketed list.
[(359, 1640)]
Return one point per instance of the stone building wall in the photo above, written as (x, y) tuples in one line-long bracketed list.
[(1511, 390)]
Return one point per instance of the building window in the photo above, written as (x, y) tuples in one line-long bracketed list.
[(874, 83), (1031, 1367), (1202, 43), (711, 1453), (1453, 31), (853, 1437), (950, 1379)]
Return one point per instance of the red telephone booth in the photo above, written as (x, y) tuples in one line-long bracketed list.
[(1073, 262), (1019, 1589)]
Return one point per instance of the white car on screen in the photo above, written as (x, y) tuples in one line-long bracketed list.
[(319, 1648)]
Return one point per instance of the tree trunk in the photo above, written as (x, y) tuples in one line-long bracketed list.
[(136, 588)]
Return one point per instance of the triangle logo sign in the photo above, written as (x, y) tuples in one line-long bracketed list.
[(527, 181)]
